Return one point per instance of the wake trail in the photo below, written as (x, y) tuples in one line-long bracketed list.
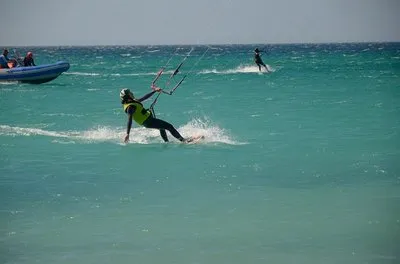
[(240, 69), (139, 135)]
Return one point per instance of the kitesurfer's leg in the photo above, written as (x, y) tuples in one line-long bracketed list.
[(265, 66), (261, 63), (164, 135), (161, 124)]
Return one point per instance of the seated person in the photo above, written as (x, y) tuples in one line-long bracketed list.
[(28, 60), (5, 62)]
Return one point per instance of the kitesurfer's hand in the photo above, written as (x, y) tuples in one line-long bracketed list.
[(126, 139), (155, 88)]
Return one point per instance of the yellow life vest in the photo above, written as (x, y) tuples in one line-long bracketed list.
[(140, 114)]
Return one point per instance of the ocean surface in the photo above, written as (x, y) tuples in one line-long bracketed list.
[(300, 165)]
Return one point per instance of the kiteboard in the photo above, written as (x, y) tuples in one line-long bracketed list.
[(194, 139)]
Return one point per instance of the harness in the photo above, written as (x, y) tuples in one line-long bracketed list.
[(140, 114)]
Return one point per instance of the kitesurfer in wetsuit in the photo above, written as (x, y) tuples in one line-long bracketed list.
[(258, 60), (135, 110)]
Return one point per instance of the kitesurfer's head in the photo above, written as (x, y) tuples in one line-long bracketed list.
[(29, 54), (126, 95), (257, 50), (5, 52)]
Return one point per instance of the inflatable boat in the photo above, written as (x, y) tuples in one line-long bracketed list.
[(34, 74)]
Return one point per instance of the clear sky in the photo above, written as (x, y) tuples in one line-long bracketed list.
[(154, 22)]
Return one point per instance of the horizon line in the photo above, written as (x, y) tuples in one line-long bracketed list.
[(236, 44)]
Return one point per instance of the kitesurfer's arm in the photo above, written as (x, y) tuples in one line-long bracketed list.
[(130, 112), (147, 96)]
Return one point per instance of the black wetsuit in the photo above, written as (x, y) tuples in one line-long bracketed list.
[(152, 122), (29, 62), (258, 61)]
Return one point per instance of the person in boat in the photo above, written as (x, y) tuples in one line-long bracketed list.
[(4, 61), (135, 110), (258, 60), (28, 60)]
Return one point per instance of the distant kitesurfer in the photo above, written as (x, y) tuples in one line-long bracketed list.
[(258, 60), (135, 110), (28, 60), (4, 60)]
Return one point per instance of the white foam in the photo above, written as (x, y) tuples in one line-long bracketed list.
[(20, 131), (82, 73), (211, 132), (100, 134), (111, 74), (239, 69), (139, 135), (8, 82), (62, 114)]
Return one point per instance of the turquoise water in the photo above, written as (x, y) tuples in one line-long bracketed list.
[(298, 166)]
